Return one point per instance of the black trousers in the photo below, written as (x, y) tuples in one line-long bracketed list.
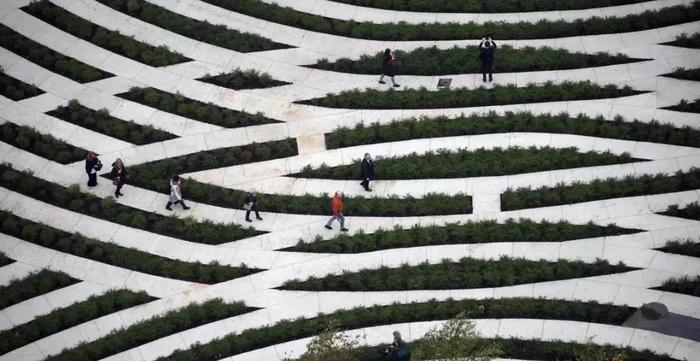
[(119, 187), (182, 203), (254, 208), (92, 179), (365, 183), (487, 68)]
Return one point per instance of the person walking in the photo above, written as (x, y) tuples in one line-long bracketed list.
[(119, 176), (250, 204), (176, 194), (388, 67), (398, 351), (92, 166), (366, 171), (337, 207), (487, 48)]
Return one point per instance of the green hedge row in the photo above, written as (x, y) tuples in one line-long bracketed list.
[(686, 106), (153, 329), (685, 74), (290, 330), (690, 211), (110, 40), (685, 248), (35, 284), (687, 41), (218, 35), (238, 79), (598, 189), (462, 60), (685, 285), (100, 121), (43, 145), (75, 200), (467, 273), (16, 89), (112, 254), (463, 97), (194, 109), (492, 123), (47, 58), (543, 29), (498, 6), (61, 319), (467, 163), (523, 230)]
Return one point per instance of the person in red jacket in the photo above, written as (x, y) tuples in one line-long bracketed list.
[(337, 207)]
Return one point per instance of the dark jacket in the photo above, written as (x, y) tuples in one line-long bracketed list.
[(388, 66), (250, 198), (367, 169), (120, 178), (90, 164), (486, 55)]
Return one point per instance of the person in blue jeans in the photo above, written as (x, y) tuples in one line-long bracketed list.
[(398, 351)]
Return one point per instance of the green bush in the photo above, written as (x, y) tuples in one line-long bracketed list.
[(152, 329), (464, 163), (100, 121), (73, 315), (685, 74), (461, 60), (112, 254), (110, 40), (492, 123), (4, 261), (85, 203), (686, 41), (423, 98), (543, 29), (686, 106), (285, 331), (523, 230), (238, 79), (204, 31), (467, 273), (690, 211), (47, 58), (685, 248), (499, 6), (43, 145), (35, 284), (194, 109), (16, 89), (685, 285), (598, 189)]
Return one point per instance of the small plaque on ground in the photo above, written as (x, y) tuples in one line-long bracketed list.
[(444, 83)]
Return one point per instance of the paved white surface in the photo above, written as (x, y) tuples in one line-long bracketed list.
[(308, 124)]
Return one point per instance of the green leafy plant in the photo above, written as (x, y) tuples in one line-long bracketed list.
[(685, 285), (35, 284), (43, 145), (456, 339), (332, 344), (686, 247), (592, 352), (686, 106), (498, 6), (690, 211), (238, 79), (15, 89)]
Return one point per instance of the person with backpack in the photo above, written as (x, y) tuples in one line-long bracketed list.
[(487, 48), (176, 194), (389, 67), (337, 207), (92, 166)]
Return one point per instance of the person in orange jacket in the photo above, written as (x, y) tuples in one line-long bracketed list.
[(337, 207)]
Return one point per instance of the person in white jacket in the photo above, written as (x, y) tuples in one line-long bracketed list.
[(176, 194)]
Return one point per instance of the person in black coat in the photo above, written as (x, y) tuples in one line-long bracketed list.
[(388, 67), (487, 48), (366, 171), (92, 165), (119, 175), (250, 204)]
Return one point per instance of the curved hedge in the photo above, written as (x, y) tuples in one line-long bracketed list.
[(43, 145), (423, 98), (686, 248), (686, 41), (467, 163), (690, 211), (15, 89), (204, 31), (290, 330), (238, 79), (543, 29), (684, 285), (462, 60), (112, 254), (598, 189), (523, 230), (43, 56), (110, 40), (61, 319), (686, 106), (467, 273), (75, 200), (35, 284), (497, 6)]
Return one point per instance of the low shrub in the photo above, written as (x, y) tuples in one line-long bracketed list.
[(238, 79), (194, 109), (218, 35), (499, 6), (543, 29), (152, 329), (61, 319), (685, 285), (523, 230), (685, 74), (4, 261), (686, 106), (690, 211), (289, 330), (47, 58), (686, 41), (462, 60), (35, 284), (467, 273), (686, 248), (112, 254), (110, 40), (43, 145), (464, 97), (85, 203), (100, 121), (16, 89), (492, 123), (465, 163), (598, 189)]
